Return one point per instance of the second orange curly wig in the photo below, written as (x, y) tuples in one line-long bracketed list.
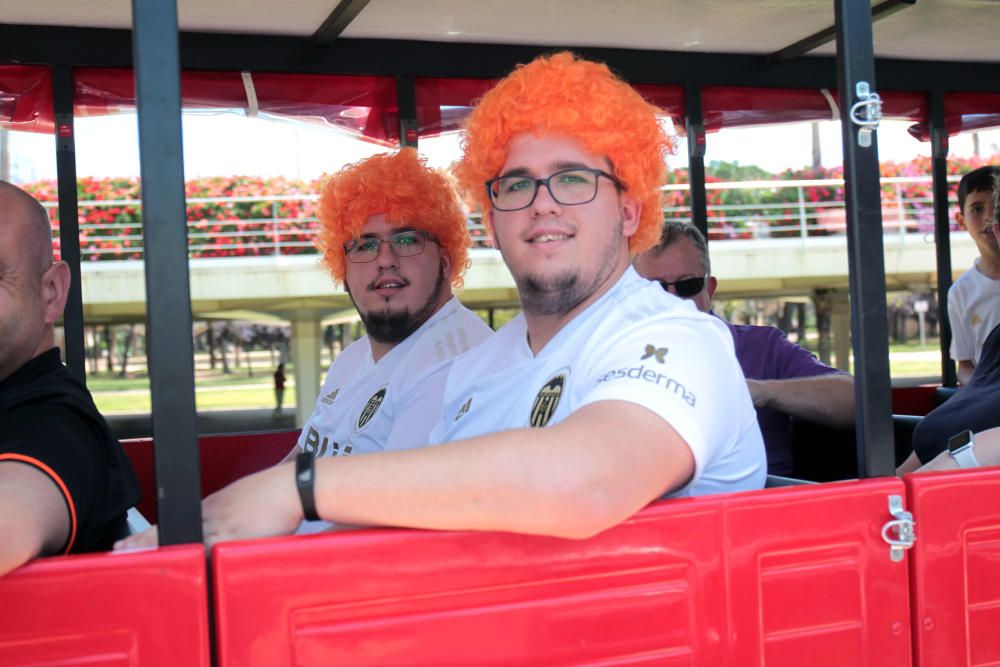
[(403, 188), (563, 94)]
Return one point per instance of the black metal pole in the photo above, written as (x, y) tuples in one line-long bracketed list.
[(406, 102), (942, 230), (168, 296), (862, 191), (696, 157), (69, 220)]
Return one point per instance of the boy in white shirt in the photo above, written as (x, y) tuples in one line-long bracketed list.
[(974, 299)]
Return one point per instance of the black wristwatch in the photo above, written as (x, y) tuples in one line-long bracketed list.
[(305, 479), (960, 448)]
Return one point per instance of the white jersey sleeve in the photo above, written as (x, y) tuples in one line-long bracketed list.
[(961, 335), (684, 371)]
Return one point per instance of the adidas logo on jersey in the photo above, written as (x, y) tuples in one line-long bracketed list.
[(464, 409), (331, 397)]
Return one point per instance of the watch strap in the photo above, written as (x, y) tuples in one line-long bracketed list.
[(305, 482), (965, 457)]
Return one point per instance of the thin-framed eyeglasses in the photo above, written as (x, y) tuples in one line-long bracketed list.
[(403, 244), (686, 288), (569, 187)]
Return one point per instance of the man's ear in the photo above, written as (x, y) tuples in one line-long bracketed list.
[(55, 289), (631, 212), (446, 263), (710, 285)]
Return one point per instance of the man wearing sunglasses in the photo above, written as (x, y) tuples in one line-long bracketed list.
[(604, 395), (784, 379)]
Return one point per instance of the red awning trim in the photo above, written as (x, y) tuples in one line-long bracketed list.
[(965, 112), (727, 107), (443, 104), (362, 105), (26, 98), (366, 105)]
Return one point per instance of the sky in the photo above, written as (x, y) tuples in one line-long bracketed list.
[(228, 143)]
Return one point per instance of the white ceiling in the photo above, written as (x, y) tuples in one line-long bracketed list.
[(929, 30)]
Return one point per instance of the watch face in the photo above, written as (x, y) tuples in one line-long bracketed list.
[(959, 440)]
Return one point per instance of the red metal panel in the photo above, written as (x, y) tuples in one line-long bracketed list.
[(778, 577), (424, 598), (811, 581), (956, 567), (140, 608)]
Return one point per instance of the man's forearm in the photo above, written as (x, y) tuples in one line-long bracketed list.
[(825, 399), (567, 480), (573, 480)]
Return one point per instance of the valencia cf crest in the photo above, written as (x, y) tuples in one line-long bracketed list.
[(371, 407), (547, 400)]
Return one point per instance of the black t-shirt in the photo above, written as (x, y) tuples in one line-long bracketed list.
[(976, 407), (49, 420)]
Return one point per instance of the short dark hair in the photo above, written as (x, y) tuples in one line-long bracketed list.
[(673, 230), (977, 180)]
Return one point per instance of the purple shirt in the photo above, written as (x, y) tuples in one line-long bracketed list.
[(765, 354)]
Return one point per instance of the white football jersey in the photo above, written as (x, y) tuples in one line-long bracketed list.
[(367, 406), (394, 403), (637, 343)]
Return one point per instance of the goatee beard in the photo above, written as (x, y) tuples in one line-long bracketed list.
[(561, 293), (393, 327), (556, 295)]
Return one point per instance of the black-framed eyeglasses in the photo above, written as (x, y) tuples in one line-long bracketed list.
[(686, 288), (568, 187), (403, 244)]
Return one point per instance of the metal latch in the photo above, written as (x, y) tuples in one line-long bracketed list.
[(903, 527), (866, 113)]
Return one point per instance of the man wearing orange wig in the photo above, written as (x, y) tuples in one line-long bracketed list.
[(605, 394), (392, 232)]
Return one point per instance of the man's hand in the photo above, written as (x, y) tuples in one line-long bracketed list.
[(149, 538), (264, 504)]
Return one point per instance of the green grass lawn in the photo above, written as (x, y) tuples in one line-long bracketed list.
[(206, 398)]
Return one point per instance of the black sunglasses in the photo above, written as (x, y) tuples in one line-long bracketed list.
[(686, 288)]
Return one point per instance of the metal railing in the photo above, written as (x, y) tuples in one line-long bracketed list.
[(276, 225)]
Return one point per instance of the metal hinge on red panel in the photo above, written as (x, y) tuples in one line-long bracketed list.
[(899, 533)]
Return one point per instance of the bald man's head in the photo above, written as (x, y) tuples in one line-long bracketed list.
[(19, 208), (33, 289)]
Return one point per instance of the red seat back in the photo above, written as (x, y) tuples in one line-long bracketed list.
[(146, 608), (224, 459), (913, 400)]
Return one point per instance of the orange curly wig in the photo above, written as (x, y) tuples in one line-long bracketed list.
[(403, 188), (563, 94)]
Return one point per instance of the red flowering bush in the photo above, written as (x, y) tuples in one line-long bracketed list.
[(230, 216)]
